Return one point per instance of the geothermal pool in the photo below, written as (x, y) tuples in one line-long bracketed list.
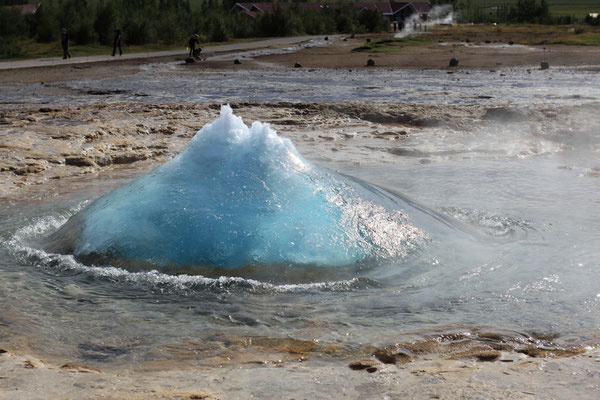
[(513, 247)]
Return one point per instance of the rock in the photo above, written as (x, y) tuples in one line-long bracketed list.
[(490, 355), (363, 364), (510, 43), (544, 65), (370, 62), (79, 368), (30, 169), (2, 351), (389, 355), (453, 62), (368, 40), (326, 38), (48, 110), (129, 158), (488, 41), (6, 167), (29, 364), (189, 60), (503, 114), (237, 62), (297, 65), (80, 161)]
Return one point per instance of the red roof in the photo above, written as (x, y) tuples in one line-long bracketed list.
[(26, 8)]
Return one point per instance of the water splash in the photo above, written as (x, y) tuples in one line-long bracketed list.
[(236, 197)]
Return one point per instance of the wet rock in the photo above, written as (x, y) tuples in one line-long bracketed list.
[(544, 65), (370, 62), (2, 351), (391, 355), (488, 41), (167, 130), (79, 368), (510, 42), (503, 114), (29, 364), (237, 62), (48, 110), (99, 92), (297, 65), (453, 62), (29, 170), (31, 167), (80, 161), (365, 364), (326, 38), (6, 167)]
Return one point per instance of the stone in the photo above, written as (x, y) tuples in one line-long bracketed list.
[(363, 364), (544, 65), (237, 62), (79, 368), (80, 161), (503, 114), (370, 62), (453, 62), (30, 169), (390, 355), (297, 65)]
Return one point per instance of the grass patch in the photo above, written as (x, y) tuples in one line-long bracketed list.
[(392, 45), (580, 40), (528, 34)]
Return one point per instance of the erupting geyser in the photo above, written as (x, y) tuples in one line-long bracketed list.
[(239, 196)]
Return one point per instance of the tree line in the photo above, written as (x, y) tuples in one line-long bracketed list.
[(521, 12), (172, 21)]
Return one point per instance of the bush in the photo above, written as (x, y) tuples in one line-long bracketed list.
[(9, 47)]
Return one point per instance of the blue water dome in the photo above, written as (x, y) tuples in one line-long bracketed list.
[(239, 196)]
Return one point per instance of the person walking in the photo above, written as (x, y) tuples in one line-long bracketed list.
[(194, 40), (117, 42), (65, 41)]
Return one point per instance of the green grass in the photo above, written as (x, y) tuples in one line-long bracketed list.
[(577, 8), (392, 45), (581, 40)]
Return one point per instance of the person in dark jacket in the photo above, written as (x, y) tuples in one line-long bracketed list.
[(117, 42), (65, 41), (194, 40)]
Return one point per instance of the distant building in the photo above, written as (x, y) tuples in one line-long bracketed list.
[(394, 11), (24, 9)]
